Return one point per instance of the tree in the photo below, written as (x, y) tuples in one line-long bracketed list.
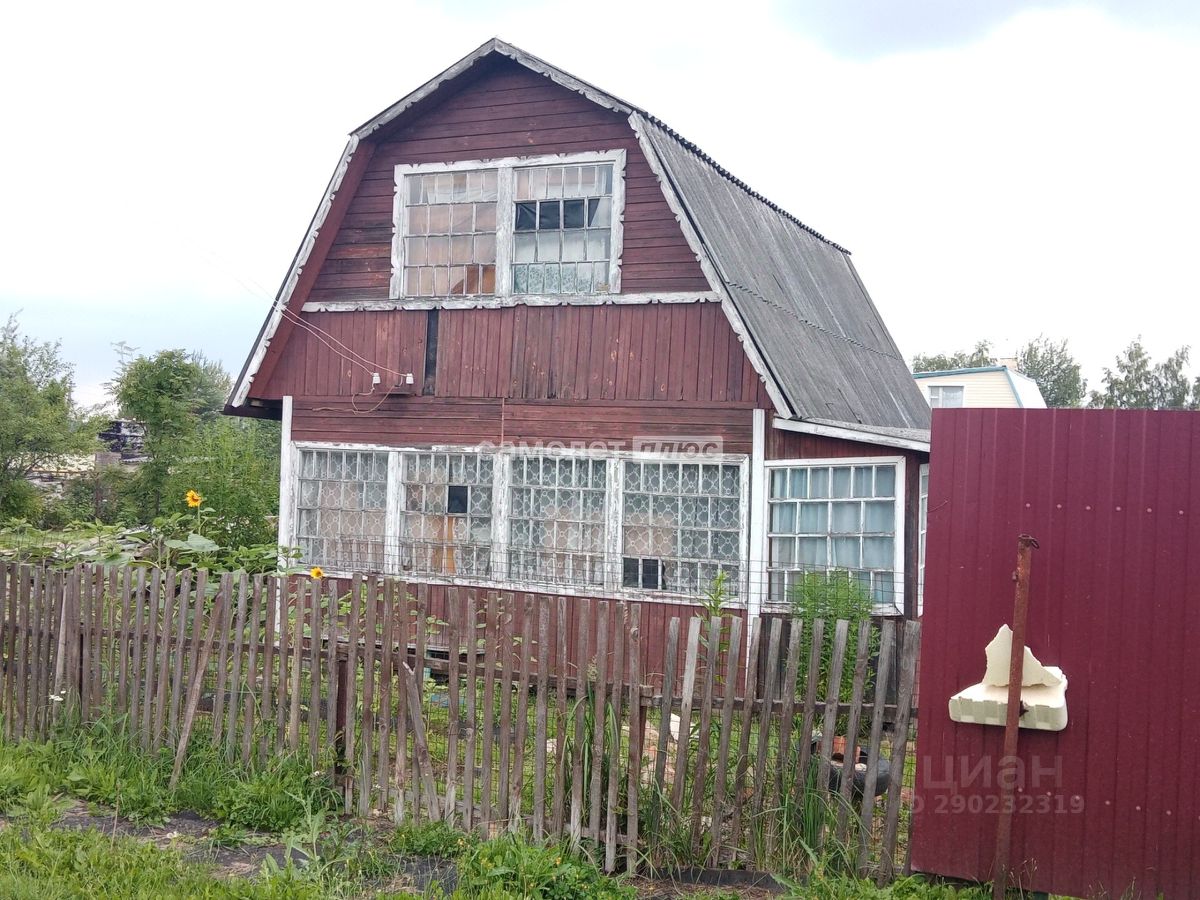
[(173, 394), (232, 463), (39, 421), (1055, 370), (962, 359), (1137, 382)]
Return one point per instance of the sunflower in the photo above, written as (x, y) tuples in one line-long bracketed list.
[(193, 499), (316, 572)]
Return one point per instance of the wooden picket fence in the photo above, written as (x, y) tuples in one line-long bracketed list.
[(443, 711)]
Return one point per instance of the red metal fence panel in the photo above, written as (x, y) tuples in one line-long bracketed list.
[(1111, 804)]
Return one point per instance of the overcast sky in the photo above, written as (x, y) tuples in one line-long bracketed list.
[(999, 169)]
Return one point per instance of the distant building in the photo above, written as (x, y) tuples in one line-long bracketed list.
[(123, 442), (992, 386)]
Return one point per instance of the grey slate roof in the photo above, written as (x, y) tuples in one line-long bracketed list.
[(799, 296)]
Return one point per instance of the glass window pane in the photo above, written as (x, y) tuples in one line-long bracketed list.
[(879, 552), (526, 216), (574, 246), (818, 483), (783, 518), (880, 515), (812, 551), (597, 244), (599, 212), (549, 215), (862, 481), (847, 518), (573, 213), (845, 552), (885, 481), (779, 484), (799, 483), (462, 218), (548, 246), (840, 486), (814, 518), (524, 247)]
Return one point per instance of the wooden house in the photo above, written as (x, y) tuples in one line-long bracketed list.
[(534, 339)]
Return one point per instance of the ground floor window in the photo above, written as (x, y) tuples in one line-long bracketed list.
[(445, 525), (832, 516), (587, 520), (341, 508)]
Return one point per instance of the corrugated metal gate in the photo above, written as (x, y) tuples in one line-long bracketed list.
[(1112, 803)]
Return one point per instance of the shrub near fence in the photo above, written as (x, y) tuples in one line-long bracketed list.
[(708, 763)]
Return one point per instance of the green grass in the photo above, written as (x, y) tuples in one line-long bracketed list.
[(101, 764), (39, 863)]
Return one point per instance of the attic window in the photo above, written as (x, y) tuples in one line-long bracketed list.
[(510, 227), (563, 229)]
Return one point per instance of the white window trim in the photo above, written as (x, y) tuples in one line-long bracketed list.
[(922, 532), (898, 461), (500, 580), (505, 167)]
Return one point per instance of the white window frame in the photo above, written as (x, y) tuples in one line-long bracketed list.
[(922, 532), (501, 482), (941, 387), (505, 211), (898, 550)]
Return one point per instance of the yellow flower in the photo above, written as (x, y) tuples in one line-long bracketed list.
[(316, 572), (193, 499)]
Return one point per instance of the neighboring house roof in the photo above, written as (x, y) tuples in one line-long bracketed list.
[(793, 296), (1024, 389)]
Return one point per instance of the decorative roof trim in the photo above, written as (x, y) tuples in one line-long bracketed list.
[(864, 434), (502, 302)]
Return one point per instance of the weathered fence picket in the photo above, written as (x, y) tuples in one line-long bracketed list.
[(538, 714)]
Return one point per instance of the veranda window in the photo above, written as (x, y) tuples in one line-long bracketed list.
[(556, 520), (835, 517), (682, 525), (341, 508), (446, 519)]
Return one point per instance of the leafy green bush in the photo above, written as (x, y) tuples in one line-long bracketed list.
[(432, 839), (509, 866), (830, 596)]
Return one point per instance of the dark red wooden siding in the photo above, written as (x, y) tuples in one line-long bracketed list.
[(666, 352), (1114, 499), (509, 111), (410, 421)]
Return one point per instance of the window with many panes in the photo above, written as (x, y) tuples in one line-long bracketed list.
[(511, 226), (923, 526), (562, 222), (341, 508), (681, 525), (575, 520), (835, 517), (445, 523), (556, 519), (448, 220), (946, 396)]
